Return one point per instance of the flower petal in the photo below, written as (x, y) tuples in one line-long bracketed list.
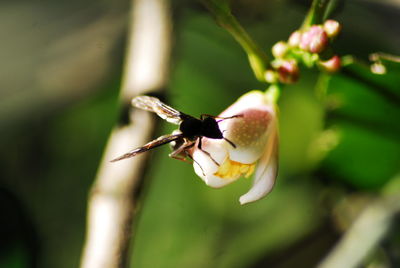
[(250, 131), (266, 173), (262, 184), (205, 167)]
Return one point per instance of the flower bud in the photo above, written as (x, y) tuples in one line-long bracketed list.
[(332, 28), (332, 65), (314, 40), (378, 68), (288, 72), (294, 39), (270, 76), (280, 49)]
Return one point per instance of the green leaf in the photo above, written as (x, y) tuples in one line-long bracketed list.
[(364, 108), (363, 158)]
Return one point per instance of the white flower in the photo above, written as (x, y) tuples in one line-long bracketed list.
[(255, 135)]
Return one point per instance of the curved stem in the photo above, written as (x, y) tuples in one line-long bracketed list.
[(257, 58)]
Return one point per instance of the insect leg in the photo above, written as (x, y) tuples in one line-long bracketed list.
[(204, 174), (182, 154), (230, 142), (207, 153)]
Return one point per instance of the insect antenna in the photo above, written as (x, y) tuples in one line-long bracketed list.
[(230, 117)]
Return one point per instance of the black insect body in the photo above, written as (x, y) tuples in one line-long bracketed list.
[(190, 130)]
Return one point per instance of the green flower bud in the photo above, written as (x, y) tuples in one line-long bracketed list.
[(294, 39), (271, 76), (280, 49), (378, 68)]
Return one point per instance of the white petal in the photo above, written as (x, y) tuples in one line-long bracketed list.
[(266, 172), (205, 167), (216, 182), (262, 185), (250, 131)]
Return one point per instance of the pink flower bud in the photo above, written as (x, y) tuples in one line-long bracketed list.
[(288, 72), (332, 28), (332, 65), (314, 40), (254, 134)]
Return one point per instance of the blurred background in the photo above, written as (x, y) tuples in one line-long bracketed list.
[(60, 72)]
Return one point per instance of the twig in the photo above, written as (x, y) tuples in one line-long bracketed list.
[(378, 56), (112, 201)]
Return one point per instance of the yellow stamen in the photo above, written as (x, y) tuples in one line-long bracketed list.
[(251, 170), (232, 170), (244, 169)]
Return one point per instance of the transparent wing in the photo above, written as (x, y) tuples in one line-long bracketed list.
[(161, 109), (150, 145)]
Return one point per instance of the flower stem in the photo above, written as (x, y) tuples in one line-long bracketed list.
[(317, 13), (272, 93), (257, 58)]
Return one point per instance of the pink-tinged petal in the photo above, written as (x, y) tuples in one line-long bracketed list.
[(249, 132)]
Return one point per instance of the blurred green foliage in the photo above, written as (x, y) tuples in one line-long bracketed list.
[(367, 119)]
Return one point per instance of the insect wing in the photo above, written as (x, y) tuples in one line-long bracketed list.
[(150, 145), (161, 109)]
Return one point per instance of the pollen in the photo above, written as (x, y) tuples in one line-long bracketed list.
[(233, 170)]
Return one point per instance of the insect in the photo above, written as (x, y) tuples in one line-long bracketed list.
[(190, 130)]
